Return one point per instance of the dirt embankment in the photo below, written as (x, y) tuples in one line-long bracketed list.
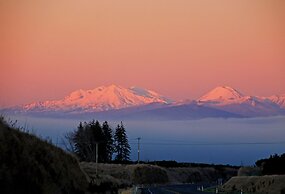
[(121, 176), (271, 184)]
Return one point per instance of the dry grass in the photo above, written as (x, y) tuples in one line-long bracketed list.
[(249, 171), (149, 174), (116, 174), (126, 191), (127, 175), (189, 175), (272, 184)]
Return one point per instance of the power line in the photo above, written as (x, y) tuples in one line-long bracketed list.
[(211, 144), (173, 142), (200, 144)]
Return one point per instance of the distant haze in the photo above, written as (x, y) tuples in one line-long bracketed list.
[(180, 49), (224, 141)]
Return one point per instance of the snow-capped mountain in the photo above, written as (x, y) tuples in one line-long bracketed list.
[(118, 102), (230, 100), (222, 95), (278, 99), (100, 99)]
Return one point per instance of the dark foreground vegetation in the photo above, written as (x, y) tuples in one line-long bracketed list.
[(31, 165), (273, 165)]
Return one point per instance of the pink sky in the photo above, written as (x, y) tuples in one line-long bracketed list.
[(180, 49)]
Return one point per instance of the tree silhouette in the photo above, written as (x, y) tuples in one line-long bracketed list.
[(122, 147), (272, 165), (108, 144), (83, 141)]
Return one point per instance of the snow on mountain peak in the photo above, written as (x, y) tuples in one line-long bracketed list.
[(230, 100), (115, 97), (278, 99), (222, 94), (101, 99), (149, 94)]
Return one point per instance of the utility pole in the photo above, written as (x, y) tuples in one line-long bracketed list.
[(97, 158), (138, 149)]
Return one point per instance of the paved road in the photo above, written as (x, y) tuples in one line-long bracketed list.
[(174, 189)]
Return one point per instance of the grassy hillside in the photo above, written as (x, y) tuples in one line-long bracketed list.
[(119, 175), (122, 175), (30, 165), (273, 184)]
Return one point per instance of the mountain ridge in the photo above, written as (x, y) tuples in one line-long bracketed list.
[(133, 101), (221, 94), (230, 100), (101, 99)]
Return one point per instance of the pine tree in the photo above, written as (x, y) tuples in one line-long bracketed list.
[(97, 137), (121, 144), (83, 142), (108, 142)]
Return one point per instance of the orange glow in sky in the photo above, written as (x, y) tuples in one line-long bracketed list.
[(180, 48)]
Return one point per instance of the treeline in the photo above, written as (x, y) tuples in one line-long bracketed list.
[(175, 164), (92, 138), (275, 164)]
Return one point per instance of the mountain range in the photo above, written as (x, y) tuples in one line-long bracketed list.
[(100, 99), (135, 103)]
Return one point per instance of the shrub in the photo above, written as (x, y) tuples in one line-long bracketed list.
[(273, 165)]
